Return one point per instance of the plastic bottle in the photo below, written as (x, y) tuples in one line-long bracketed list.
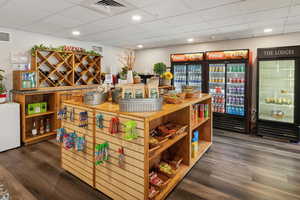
[(34, 129)]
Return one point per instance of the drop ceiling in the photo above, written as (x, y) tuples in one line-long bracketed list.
[(164, 22)]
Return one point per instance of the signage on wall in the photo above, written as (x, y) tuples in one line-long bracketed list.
[(227, 55), (71, 48), (186, 57), (279, 52)]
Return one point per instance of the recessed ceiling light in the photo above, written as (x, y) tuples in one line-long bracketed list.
[(75, 33), (190, 40), (268, 30), (140, 46), (136, 18)]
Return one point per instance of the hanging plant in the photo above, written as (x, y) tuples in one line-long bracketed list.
[(61, 49)]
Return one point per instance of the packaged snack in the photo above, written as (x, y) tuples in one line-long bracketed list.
[(139, 91), (127, 91)]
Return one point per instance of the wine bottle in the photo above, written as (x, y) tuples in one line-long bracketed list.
[(34, 129), (42, 128), (48, 126)]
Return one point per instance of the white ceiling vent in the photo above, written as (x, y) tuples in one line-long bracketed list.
[(4, 37), (108, 7)]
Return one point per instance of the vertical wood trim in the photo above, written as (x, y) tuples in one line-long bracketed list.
[(146, 159)]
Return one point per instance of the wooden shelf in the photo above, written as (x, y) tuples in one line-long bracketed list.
[(40, 114), (194, 126), (166, 145), (183, 169), (202, 148), (39, 137), (70, 61)]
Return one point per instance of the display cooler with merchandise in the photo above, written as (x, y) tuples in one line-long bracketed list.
[(188, 69), (229, 83), (278, 93)]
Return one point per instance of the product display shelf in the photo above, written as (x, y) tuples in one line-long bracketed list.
[(131, 179), (40, 114), (54, 99), (201, 121), (66, 68)]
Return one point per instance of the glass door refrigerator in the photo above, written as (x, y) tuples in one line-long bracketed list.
[(278, 100), (188, 70), (229, 83)]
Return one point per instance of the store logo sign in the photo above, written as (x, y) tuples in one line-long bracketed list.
[(279, 52)]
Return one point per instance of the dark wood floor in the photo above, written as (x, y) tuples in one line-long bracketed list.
[(236, 167)]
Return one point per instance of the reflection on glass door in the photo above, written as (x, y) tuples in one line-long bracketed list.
[(195, 76), (217, 86), (276, 90), (235, 96), (179, 76)]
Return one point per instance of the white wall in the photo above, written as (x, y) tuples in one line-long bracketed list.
[(145, 59), (23, 42)]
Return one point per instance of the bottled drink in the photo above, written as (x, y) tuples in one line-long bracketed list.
[(48, 126), (42, 128), (34, 129)]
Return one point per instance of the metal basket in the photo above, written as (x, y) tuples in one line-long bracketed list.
[(140, 105)]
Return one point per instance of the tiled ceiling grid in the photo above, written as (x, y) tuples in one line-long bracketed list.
[(164, 22)]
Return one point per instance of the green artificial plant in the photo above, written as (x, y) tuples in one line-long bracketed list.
[(160, 68), (2, 86)]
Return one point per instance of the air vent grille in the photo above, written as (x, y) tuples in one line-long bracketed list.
[(109, 3), (4, 37)]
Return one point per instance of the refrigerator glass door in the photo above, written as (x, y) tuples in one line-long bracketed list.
[(235, 86), (276, 90), (195, 75), (217, 86), (179, 76)]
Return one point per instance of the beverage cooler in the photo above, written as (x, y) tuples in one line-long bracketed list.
[(229, 83), (188, 70), (278, 90)]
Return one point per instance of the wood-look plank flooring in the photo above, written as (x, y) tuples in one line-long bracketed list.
[(236, 167)]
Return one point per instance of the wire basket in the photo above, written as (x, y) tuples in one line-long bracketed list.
[(140, 105)]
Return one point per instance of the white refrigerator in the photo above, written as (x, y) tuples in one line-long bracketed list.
[(9, 126)]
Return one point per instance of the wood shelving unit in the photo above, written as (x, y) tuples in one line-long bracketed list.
[(131, 181), (66, 68), (28, 120)]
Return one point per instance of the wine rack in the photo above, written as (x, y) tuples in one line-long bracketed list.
[(66, 68)]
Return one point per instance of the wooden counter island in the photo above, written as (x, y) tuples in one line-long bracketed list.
[(129, 178)]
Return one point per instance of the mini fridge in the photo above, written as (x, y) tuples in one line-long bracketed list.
[(278, 99), (10, 126)]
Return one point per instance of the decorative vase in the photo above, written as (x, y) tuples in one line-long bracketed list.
[(130, 76), (166, 82)]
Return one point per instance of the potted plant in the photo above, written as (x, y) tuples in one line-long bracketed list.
[(2, 87), (167, 76), (159, 69), (128, 60)]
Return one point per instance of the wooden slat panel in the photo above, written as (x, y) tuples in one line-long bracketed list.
[(128, 152), (77, 107), (121, 184), (77, 174), (81, 163), (83, 169), (109, 193), (103, 171), (140, 124), (126, 167), (78, 129), (109, 167), (123, 143), (120, 136), (78, 155), (119, 188), (76, 118), (131, 118), (122, 127)]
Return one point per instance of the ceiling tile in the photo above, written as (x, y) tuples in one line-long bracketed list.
[(167, 8), (81, 14), (15, 15)]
